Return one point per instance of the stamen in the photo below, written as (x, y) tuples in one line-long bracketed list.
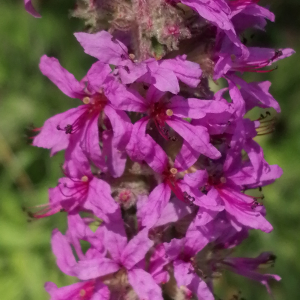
[(223, 179), (131, 56), (255, 204), (86, 100), (169, 112), (84, 178), (173, 171)]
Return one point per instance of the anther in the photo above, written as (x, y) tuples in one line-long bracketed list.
[(84, 178), (82, 293), (131, 56), (173, 171), (223, 179), (86, 100), (169, 112)]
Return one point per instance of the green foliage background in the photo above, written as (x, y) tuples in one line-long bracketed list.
[(26, 98)]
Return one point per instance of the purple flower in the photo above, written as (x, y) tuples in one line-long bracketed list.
[(80, 190), (163, 74), (127, 260), (248, 267), (182, 254), (219, 14), (243, 9), (162, 112), (258, 59), (80, 125), (84, 290)]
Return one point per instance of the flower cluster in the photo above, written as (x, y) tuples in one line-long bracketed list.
[(167, 172)]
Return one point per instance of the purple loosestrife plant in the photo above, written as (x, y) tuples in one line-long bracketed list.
[(157, 161)]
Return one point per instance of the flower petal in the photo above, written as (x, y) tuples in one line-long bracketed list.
[(196, 136), (29, 8), (64, 80), (136, 249), (144, 285), (153, 208), (102, 46), (94, 268), (63, 252)]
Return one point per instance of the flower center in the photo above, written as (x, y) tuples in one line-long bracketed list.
[(93, 105), (84, 178), (160, 114), (87, 291)]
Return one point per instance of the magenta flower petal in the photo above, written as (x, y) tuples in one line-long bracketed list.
[(115, 239), (196, 136), (196, 179), (195, 108), (102, 46), (174, 211), (183, 273), (30, 9), (51, 137), (90, 144), (144, 285), (138, 145), (62, 250), (186, 71), (93, 268), (200, 288), (115, 159), (163, 79), (97, 74), (136, 249), (64, 80), (121, 126), (186, 157), (235, 205), (153, 208), (99, 195)]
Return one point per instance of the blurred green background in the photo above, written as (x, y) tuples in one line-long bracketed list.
[(28, 98)]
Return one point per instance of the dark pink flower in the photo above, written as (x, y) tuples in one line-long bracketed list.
[(81, 125)]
